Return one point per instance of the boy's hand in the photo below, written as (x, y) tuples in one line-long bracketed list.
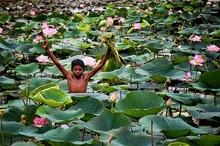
[(45, 45)]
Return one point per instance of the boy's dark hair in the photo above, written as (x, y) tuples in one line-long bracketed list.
[(77, 62)]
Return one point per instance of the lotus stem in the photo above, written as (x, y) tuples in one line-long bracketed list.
[(2, 130), (215, 100), (26, 95), (112, 106), (181, 104), (152, 134), (84, 129)]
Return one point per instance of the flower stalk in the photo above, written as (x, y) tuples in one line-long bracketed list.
[(2, 130)]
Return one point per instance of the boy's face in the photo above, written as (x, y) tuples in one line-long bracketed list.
[(77, 71)]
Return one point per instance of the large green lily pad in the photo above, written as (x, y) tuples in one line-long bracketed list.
[(58, 116), (107, 121), (30, 69), (171, 127), (140, 103), (51, 95), (204, 111), (125, 137), (186, 99), (161, 67)]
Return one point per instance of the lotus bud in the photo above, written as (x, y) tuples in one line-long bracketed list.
[(1, 113), (84, 54), (113, 97), (23, 119), (169, 102), (106, 84), (102, 40), (108, 34), (99, 38)]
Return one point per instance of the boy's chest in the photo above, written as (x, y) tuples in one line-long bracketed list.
[(77, 85)]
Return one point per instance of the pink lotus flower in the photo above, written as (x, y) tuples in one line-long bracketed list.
[(195, 38), (208, 3), (38, 38), (139, 10), (89, 61), (180, 11), (81, 5), (117, 27), (197, 61), (110, 20), (113, 97), (213, 48), (1, 30), (49, 32), (121, 20), (33, 13), (149, 8), (44, 25), (187, 78), (40, 122), (137, 26), (43, 59), (169, 102), (103, 28), (170, 12)]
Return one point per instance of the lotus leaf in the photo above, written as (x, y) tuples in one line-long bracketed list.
[(58, 116), (60, 136), (6, 81), (11, 128), (161, 67), (81, 96), (30, 69), (204, 111), (140, 103), (171, 127), (107, 121), (123, 136), (51, 95), (24, 144), (89, 106), (208, 81), (186, 99), (204, 140)]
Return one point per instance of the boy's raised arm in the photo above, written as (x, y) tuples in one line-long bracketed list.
[(55, 60), (100, 65)]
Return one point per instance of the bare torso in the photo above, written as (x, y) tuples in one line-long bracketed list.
[(77, 85)]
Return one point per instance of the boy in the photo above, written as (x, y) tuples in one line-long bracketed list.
[(77, 82)]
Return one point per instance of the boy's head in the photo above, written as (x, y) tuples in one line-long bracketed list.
[(77, 67)]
